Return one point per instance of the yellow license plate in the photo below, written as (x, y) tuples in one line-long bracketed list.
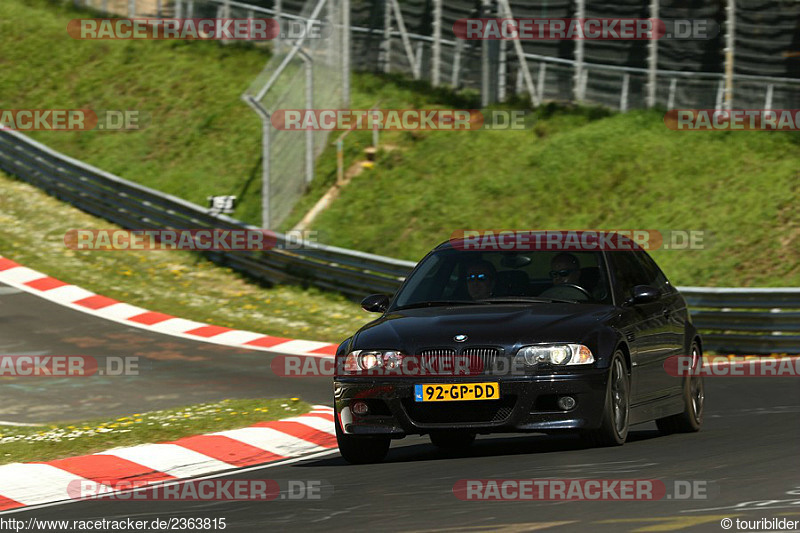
[(438, 392)]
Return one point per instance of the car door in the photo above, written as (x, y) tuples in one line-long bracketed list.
[(674, 309), (645, 328)]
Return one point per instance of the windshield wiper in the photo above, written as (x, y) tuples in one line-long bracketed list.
[(437, 303), (532, 299)]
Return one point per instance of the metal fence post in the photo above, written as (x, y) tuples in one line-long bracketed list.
[(768, 99), (418, 61), (339, 161), (580, 13), (454, 75), (345, 7), (523, 63), (673, 87), (623, 99), (540, 81), (485, 62), (131, 8), (652, 56), (266, 168), (436, 47), (309, 62), (401, 25), (178, 9), (501, 73), (266, 124), (387, 36), (279, 21), (730, 11)]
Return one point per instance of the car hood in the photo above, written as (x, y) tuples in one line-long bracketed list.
[(496, 324)]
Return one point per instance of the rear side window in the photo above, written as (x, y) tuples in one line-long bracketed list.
[(655, 276), (628, 272)]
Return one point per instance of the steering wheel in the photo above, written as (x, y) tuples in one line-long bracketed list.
[(567, 286)]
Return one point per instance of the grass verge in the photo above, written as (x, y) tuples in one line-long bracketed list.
[(183, 284), (45, 443), (571, 168)]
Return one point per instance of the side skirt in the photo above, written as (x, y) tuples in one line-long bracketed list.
[(654, 409)]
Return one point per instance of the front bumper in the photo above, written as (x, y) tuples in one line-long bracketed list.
[(526, 404)]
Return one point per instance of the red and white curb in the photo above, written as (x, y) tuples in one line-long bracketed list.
[(75, 297), (25, 484)]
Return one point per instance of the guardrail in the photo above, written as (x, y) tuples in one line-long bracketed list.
[(134, 206), (753, 320), (732, 320)]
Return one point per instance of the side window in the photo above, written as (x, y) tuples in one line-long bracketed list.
[(655, 277), (628, 272)]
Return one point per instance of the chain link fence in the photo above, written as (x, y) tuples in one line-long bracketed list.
[(758, 39)]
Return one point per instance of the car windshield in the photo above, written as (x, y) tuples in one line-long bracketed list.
[(450, 276)]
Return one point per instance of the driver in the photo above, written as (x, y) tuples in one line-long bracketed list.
[(481, 276), (565, 268)]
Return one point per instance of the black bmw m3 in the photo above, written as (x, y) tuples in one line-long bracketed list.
[(479, 342)]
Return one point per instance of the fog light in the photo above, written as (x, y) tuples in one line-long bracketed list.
[(360, 408), (566, 402)]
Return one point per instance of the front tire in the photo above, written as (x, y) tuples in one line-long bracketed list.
[(691, 419), (613, 428), (360, 450)]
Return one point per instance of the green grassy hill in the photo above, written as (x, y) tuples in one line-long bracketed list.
[(614, 172), (573, 168)]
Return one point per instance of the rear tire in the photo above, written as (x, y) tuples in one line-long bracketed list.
[(613, 428), (452, 440), (360, 450), (691, 419)]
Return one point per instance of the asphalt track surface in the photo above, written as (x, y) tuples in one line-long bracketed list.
[(746, 454), (172, 371)]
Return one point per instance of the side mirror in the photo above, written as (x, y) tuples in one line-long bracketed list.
[(375, 303), (644, 294)]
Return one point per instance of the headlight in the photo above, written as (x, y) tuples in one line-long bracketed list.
[(361, 360), (556, 354)]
